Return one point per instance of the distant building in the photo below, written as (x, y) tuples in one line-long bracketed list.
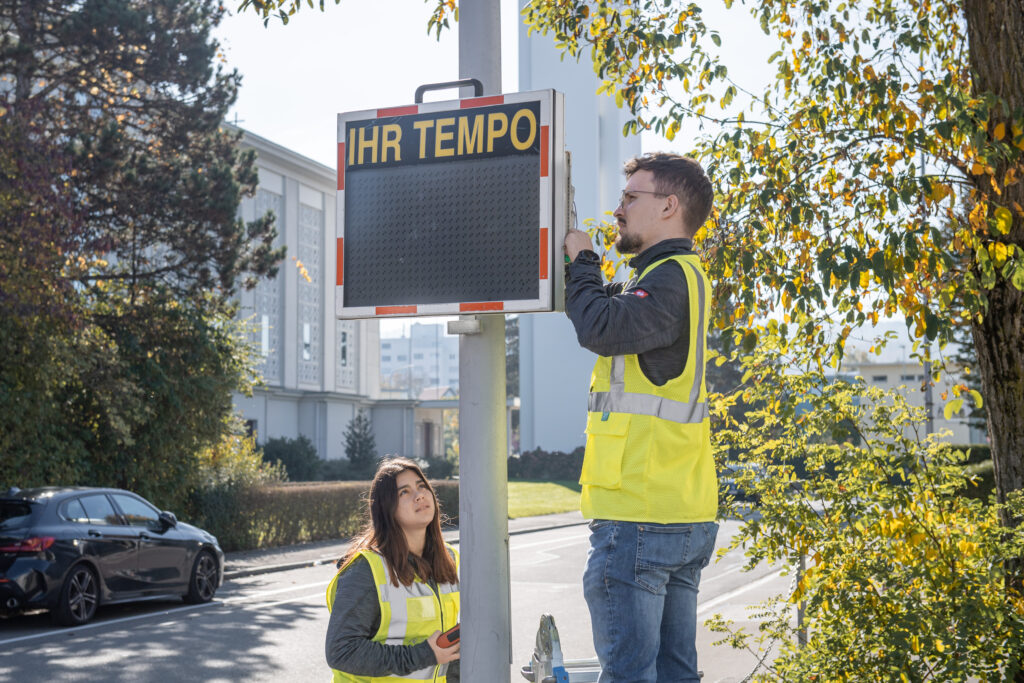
[(913, 382), (426, 357)]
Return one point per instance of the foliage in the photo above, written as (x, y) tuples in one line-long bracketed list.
[(540, 465), (286, 514), (360, 446), (298, 457), (440, 468), (122, 247), (905, 577)]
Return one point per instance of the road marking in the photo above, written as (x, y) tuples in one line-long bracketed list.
[(552, 541), (282, 602), (277, 591), (721, 599), (88, 627)]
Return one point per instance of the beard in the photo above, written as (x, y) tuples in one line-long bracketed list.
[(627, 244)]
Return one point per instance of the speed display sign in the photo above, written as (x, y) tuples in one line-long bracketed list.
[(451, 207)]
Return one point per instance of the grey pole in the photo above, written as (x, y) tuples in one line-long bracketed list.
[(486, 652)]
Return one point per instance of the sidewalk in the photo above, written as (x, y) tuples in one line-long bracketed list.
[(251, 562)]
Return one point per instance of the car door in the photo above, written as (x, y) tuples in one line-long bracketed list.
[(163, 552), (105, 538)]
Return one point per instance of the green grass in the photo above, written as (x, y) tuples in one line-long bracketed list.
[(529, 498)]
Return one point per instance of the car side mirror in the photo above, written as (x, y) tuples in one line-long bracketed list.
[(168, 520)]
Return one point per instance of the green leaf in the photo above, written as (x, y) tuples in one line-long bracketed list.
[(1004, 220)]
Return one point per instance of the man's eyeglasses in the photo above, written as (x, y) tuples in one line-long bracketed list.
[(628, 196)]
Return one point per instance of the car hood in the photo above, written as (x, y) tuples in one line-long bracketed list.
[(196, 531)]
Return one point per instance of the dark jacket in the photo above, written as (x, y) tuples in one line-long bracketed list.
[(650, 320), (355, 618)]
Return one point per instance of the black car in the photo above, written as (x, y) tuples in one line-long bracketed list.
[(71, 549)]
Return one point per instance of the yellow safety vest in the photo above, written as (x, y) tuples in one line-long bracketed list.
[(408, 615), (648, 455)]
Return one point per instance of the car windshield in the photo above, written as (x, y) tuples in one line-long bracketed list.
[(14, 514)]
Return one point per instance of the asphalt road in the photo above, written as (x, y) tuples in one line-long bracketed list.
[(270, 627)]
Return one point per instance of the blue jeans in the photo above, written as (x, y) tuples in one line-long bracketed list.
[(641, 587)]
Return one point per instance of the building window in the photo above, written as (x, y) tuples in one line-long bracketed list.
[(386, 345), (401, 358), (386, 359), (417, 356), (880, 378), (264, 335), (906, 378), (307, 342), (251, 427)]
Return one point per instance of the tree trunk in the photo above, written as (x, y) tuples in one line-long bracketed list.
[(995, 30)]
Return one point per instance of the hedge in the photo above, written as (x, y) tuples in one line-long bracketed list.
[(286, 514)]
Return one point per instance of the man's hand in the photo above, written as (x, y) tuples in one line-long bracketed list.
[(575, 242)]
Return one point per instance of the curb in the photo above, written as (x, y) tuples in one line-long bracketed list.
[(301, 564)]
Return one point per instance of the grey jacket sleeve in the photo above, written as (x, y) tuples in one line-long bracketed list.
[(355, 619), (613, 321)]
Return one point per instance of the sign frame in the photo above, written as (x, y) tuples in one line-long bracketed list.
[(552, 219)]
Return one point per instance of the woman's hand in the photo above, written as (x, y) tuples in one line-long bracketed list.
[(443, 654)]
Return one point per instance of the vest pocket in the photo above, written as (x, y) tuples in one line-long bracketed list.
[(606, 442)]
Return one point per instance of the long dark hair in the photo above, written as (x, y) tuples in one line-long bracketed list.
[(383, 534)]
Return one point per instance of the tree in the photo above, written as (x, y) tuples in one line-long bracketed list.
[(122, 248), (886, 122), (360, 445)]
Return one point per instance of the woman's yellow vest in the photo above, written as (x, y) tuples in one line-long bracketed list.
[(648, 455), (408, 615)]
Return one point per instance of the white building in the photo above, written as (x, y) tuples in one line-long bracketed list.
[(317, 371), (554, 372)]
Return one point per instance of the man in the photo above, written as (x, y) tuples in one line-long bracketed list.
[(648, 476)]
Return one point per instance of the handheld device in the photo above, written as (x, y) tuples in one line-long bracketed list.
[(449, 637)]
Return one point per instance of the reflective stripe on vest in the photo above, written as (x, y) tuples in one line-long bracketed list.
[(397, 626), (617, 400)]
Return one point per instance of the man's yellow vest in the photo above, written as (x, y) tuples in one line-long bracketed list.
[(648, 455), (408, 615)]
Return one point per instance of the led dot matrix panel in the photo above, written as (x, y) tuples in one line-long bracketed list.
[(450, 207)]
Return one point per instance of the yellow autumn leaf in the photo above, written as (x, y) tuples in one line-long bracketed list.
[(865, 279), (1000, 131), (976, 395), (1004, 220), (998, 252), (953, 406)]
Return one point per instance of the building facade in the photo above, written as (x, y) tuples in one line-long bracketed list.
[(317, 371), (426, 357)]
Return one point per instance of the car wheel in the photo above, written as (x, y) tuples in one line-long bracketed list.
[(79, 597), (203, 582)]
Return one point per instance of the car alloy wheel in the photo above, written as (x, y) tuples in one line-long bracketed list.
[(203, 583), (79, 597)]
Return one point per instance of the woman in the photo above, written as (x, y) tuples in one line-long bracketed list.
[(397, 588)]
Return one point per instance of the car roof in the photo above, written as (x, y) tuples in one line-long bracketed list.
[(44, 493)]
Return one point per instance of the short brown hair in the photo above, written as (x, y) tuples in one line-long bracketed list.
[(683, 177)]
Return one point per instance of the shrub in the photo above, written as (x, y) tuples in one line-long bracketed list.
[(297, 456), (440, 468), (539, 465), (904, 579), (300, 512)]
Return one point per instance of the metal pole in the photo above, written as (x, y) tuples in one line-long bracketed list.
[(486, 653)]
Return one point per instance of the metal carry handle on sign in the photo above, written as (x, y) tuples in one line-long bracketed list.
[(478, 87)]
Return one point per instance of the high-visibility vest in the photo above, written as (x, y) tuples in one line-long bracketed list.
[(648, 455), (408, 615)]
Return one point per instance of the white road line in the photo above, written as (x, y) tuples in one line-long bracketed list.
[(552, 541), (110, 622), (276, 591), (282, 602), (722, 599)]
